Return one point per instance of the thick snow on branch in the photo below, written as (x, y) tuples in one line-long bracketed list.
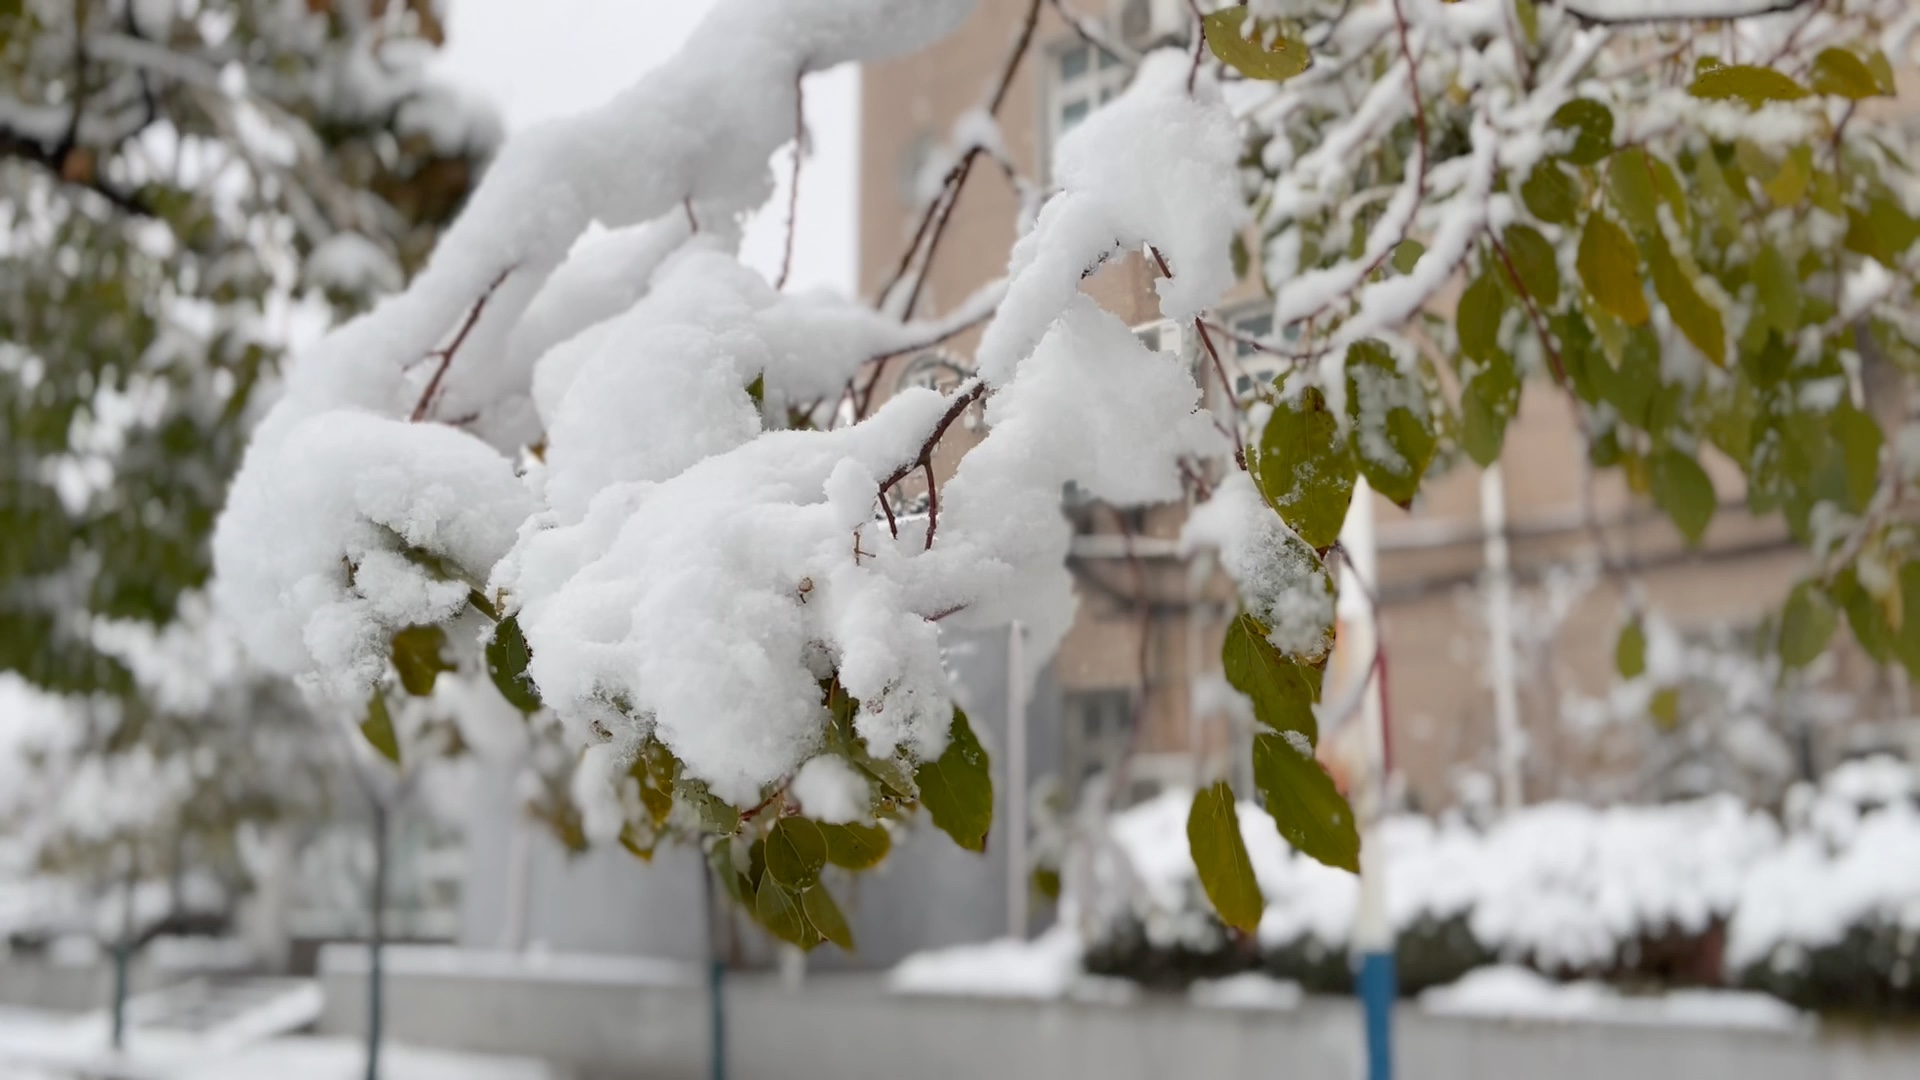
[(681, 574)]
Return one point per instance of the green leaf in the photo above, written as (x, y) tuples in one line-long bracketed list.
[(1528, 16), (378, 728), (1308, 810), (1906, 639), (1664, 707), (1241, 258), (1535, 262), (1777, 288), (1682, 489), (1487, 403), (1592, 127), (777, 909), (796, 850), (1478, 318), (732, 878), (824, 913), (1630, 652), (1882, 70), (1406, 254), (1551, 193), (1630, 189), (1609, 265), (1306, 470), (1806, 625), (956, 788), (1865, 615), (1698, 319), (1389, 424), (1839, 72), (507, 660), (1281, 688), (1046, 882), (418, 657), (1269, 55), (856, 846), (1753, 85), (1220, 855)]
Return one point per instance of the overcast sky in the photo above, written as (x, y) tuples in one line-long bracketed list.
[(537, 61)]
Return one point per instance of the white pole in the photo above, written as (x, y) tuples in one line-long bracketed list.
[(1372, 930), (1016, 782), (513, 930), (1508, 740)]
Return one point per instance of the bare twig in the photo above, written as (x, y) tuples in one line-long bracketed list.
[(1533, 313), (799, 157), (933, 503), (425, 404), (1093, 34), (1219, 367), (933, 223), (961, 401)]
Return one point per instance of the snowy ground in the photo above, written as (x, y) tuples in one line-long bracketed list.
[(58, 1046)]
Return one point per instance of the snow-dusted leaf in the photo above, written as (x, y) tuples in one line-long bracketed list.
[(1283, 689), (1609, 266), (1307, 809), (1220, 855), (957, 788), (1477, 320), (1551, 193), (1535, 263), (1592, 126), (1746, 82), (1387, 414), (1257, 48), (1306, 468)]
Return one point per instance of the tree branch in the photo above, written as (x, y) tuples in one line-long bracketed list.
[(799, 158), (425, 404), (1219, 368)]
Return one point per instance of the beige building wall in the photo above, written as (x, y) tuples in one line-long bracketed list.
[(1431, 558)]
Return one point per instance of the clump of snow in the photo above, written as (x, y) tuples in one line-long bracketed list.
[(830, 789), (1045, 967), (1247, 990), (1514, 993)]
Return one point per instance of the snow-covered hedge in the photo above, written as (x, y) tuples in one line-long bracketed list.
[(1821, 906)]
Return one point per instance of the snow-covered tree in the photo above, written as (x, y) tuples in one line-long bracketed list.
[(658, 487)]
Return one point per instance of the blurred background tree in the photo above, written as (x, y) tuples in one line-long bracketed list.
[(187, 191)]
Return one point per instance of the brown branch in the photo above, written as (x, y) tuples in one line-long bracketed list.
[(1088, 31), (958, 406), (1533, 313), (933, 223), (799, 157), (425, 404), (1199, 44), (933, 504), (863, 396)]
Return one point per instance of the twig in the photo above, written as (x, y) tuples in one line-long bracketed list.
[(1199, 44), (799, 157), (933, 223), (1533, 313), (959, 405), (863, 397), (1091, 33), (425, 404), (933, 503), (1219, 367)]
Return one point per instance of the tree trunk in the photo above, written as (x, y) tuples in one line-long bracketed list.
[(123, 954)]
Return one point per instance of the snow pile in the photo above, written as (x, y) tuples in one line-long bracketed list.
[(1562, 885), (1516, 993), (1043, 968), (1828, 901), (576, 431)]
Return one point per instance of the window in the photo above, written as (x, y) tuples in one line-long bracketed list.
[(1098, 731), (1084, 78), (1254, 366)]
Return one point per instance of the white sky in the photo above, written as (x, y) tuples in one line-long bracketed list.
[(551, 58)]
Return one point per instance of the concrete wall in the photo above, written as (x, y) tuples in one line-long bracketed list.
[(36, 984), (650, 1023)]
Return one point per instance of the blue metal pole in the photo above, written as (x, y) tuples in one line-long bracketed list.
[(1379, 988)]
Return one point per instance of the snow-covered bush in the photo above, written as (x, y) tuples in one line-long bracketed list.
[(663, 494), (1822, 909)]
